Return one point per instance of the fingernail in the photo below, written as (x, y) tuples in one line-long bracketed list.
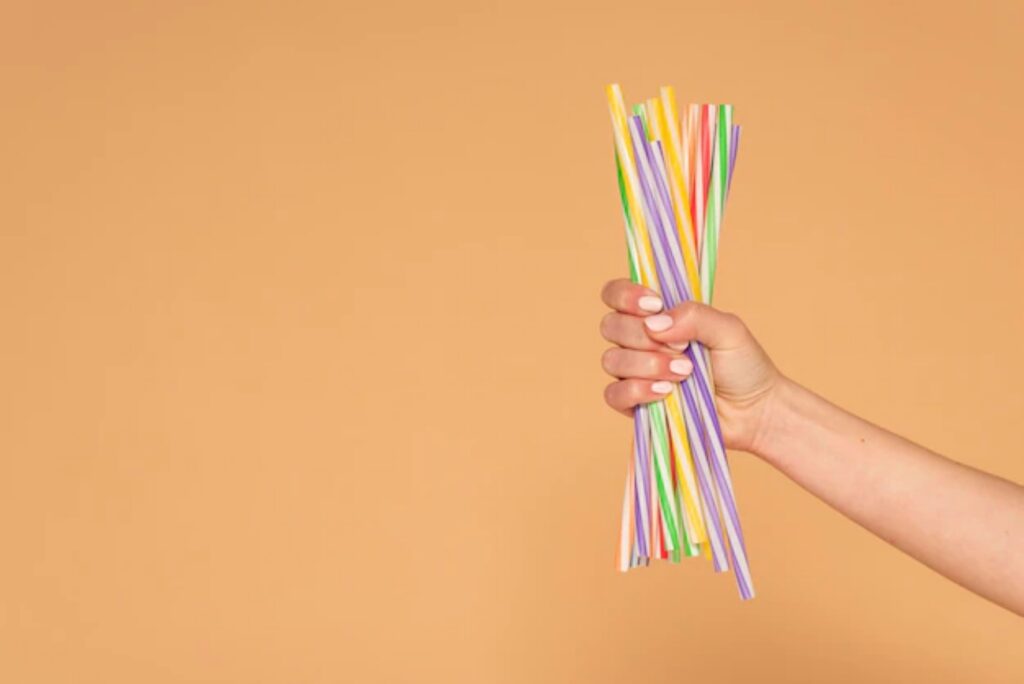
[(681, 366), (661, 387), (658, 323), (649, 303), (678, 346)]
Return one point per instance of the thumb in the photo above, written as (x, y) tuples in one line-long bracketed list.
[(695, 321)]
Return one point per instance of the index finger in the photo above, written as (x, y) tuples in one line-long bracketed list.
[(628, 297)]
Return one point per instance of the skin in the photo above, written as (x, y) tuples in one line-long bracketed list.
[(966, 524)]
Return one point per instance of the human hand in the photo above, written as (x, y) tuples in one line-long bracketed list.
[(649, 358)]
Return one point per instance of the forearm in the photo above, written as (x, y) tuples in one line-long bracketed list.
[(966, 524)]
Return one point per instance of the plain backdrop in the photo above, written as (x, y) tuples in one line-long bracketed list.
[(299, 369)]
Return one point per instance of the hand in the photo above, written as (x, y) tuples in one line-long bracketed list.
[(649, 357)]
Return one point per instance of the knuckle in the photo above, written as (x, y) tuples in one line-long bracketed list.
[(652, 364), (610, 392), (636, 392), (735, 324), (613, 292), (607, 325), (610, 359), (686, 311)]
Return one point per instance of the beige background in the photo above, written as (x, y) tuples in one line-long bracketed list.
[(299, 354)]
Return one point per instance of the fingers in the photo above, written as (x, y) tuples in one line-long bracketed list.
[(648, 357), (629, 298), (693, 321), (628, 331), (629, 363), (625, 394)]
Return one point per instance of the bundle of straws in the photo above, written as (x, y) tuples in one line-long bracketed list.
[(674, 175)]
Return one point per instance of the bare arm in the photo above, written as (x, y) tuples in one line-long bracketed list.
[(966, 524)]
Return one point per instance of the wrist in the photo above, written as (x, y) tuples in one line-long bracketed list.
[(778, 418)]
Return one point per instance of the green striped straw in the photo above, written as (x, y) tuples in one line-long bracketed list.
[(716, 199)]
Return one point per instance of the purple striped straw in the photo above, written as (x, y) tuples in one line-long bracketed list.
[(734, 146), (641, 453)]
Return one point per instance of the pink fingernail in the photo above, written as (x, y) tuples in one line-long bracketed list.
[(681, 366), (649, 303), (661, 387), (658, 323), (678, 346)]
